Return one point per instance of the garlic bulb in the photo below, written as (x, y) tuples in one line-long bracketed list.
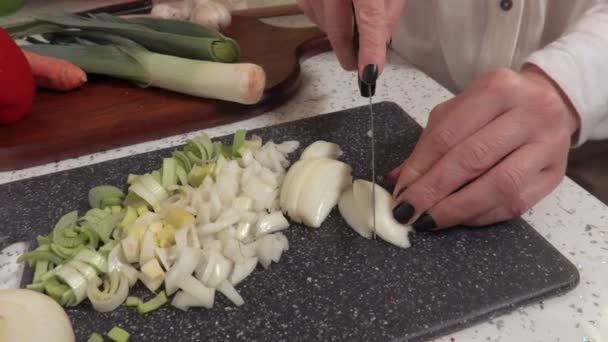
[(210, 13), (171, 10)]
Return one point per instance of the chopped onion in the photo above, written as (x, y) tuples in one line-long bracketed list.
[(287, 147), (271, 223), (243, 203), (243, 270), (243, 231), (195, 288), (130, 248), (184, 266), (163, 256), (215, 268), (116, 262), (147, 247), (183, 300), (226, 288), (269, 249), (322, 149)]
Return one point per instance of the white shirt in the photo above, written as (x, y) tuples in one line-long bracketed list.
[(455, 41)]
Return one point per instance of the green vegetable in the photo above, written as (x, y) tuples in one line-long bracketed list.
[(238, 143), (179, 56), (150, 190), (133, 301), (95, 337), (153, 303), (198, 174), (118, 334), (55, 289), (38, 255), (42, 267), (169, 177), (105, 196)]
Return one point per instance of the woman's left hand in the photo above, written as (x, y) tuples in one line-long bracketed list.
[(489, 154)]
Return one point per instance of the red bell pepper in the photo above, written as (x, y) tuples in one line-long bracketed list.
[(17, 87)]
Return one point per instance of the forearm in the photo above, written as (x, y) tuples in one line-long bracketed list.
[(578, 63)]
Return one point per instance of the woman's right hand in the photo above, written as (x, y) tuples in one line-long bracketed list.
[(376, 20)]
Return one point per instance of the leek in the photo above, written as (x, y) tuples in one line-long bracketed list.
[(153, 303), (177, 56), (118, 334), (104, 196), (95, 337)]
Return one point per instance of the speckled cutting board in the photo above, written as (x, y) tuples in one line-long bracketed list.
[(332, 285)]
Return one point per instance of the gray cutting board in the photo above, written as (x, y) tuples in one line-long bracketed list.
[(332, 285)]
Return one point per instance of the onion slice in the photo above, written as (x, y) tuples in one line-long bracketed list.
[(107, 301)]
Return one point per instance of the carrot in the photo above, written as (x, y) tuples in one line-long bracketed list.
[(54, 73)]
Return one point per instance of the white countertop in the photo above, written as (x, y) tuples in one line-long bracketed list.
[(574, 221)]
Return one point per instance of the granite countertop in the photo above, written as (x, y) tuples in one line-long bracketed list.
[(570, 218)]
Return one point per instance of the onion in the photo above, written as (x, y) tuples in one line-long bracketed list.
[(29, 316), (183, 300), (163, 256), (271, 223), (185, 265), (147, 247), (196, 289), (243, 270), (243, 203), (226, 288), (116, 262), (315, 191), (322, 149), (361, 214), (213, 269), (352, 215), (269, 249), (130, 248), (108, 301)]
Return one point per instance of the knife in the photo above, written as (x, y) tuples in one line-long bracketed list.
[(367, 88)]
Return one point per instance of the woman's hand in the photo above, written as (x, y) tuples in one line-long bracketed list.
[(376, 21), (489, 154)]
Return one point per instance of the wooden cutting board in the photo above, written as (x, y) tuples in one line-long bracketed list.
[(108, 113)]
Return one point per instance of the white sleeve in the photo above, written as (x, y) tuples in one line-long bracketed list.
[(578, 63)]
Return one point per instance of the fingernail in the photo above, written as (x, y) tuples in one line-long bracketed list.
[(424, 223), (403, 212), (401, 191), (367, 81)]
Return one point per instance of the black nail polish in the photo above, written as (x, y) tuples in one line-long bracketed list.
[(367, 81), (424, 223), (403, 212)]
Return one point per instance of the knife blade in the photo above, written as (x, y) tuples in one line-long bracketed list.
[(367, 88)]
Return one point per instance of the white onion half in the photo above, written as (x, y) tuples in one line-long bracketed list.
[(29, 316)]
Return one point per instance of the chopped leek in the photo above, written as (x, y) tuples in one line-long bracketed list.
[(238, 143), (118, 334), (104, 196), (133, 301), (153, 303), (95, 337)]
